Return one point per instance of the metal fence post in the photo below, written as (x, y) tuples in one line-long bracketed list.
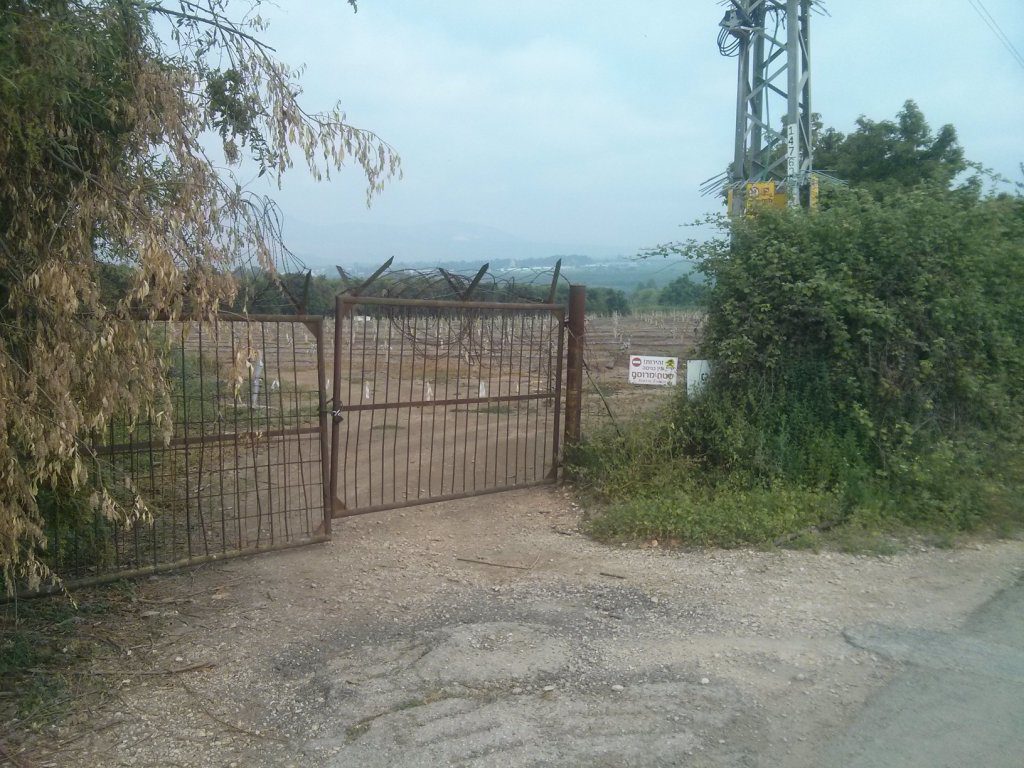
[(574, 364)]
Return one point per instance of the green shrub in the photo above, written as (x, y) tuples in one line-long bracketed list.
[(867, 371)]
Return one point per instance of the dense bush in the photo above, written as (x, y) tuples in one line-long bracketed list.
[(896, 320), (868, 370)]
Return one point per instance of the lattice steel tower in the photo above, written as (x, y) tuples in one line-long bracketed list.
[(773, 155)]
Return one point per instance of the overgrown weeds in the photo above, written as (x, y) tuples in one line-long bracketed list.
[(45, 648), (658, 481)]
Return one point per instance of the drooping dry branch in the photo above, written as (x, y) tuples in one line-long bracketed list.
[(102, 126)]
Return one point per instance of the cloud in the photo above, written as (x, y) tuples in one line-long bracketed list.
[(539, 130), (596, 121)]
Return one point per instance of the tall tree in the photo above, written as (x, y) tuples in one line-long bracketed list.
[(683, 292), (106, 107), (891, 155)]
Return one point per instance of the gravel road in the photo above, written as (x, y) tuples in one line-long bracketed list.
[(489, 632)]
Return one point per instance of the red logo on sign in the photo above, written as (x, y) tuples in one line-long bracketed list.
[(636, 362)]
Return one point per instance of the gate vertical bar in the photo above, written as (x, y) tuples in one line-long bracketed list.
[(326, 456), (339, 314), (574, 364), (440, 329), (558, 318)]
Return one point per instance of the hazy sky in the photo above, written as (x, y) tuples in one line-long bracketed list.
[(593, 123)]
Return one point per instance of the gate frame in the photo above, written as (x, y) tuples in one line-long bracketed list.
[(567, 322)]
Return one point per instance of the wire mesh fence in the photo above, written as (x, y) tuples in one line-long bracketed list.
[(441, 399), (242, 467), (609, 399)]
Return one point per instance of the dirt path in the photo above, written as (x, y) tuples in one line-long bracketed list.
[(384, 649)]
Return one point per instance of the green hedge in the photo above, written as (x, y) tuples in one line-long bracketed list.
[(868, 370)]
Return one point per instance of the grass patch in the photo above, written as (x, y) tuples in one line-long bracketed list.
[(703, 517), (805, 489)]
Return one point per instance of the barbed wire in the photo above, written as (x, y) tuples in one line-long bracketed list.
[(424, 328), (442, 284)]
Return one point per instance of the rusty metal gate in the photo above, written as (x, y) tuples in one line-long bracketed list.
[(436, 400), (432, 400), (244, 470)]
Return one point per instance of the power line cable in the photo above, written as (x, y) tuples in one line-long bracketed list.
[(997, 30), (1002, 35)]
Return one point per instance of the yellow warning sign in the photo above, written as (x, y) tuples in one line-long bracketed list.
[(764, 194), (760, 191)]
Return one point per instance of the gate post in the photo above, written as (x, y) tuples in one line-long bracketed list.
[(574, 364), (339, 316)]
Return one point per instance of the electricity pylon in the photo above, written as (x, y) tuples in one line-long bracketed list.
[(772, 158)]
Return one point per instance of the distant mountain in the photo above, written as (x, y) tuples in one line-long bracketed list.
[(357, 245), (360, 248)]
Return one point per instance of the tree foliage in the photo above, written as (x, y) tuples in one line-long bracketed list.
[(602, 301), (907, 312), (106, 109), (684, 291), (892, 155), (868, 366)]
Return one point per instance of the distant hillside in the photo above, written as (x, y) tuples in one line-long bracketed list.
[(623, 273), (627, 274), (358, 245), (463, 248)]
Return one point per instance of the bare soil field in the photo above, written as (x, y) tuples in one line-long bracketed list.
[(490, 632)]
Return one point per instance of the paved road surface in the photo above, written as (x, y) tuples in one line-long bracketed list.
[(959, 702)]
